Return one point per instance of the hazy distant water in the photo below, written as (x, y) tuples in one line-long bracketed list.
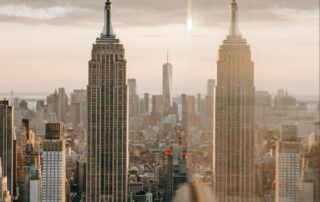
[(26, 96)]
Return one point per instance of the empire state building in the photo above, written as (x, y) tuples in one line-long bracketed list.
[(107, 167), (233, 158)]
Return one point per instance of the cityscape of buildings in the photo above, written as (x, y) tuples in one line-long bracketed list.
[(112, 143)]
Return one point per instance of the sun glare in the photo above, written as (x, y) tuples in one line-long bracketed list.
[(189, 24)]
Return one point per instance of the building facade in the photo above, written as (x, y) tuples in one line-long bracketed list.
[(6, 142), (107, 166), (233, 158), (210, 98), (53, 165), (133, 98), (288, 172)]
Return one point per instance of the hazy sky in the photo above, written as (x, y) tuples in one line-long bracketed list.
[(46, 44)]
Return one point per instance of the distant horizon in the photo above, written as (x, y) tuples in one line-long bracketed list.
[(7, 95)]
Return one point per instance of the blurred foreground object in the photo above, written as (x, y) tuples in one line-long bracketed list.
[(194, 192)]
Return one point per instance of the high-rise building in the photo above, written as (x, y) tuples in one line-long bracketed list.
[(288, 171), (29, 180), (62, 104), (157, 105), (4, 192), (187, 112), (53, 164), (6, 142), (107, 166), (233, 159), (288, 132), (80, 96), (52, 102), (263, 108), (133, 98), (167, 86), (210, 98), (146, 103)]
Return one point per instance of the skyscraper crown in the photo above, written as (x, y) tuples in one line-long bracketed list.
[(107, 35), (107, 29)]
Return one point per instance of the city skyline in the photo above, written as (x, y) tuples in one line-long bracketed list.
[(294, 52), (108, 115)]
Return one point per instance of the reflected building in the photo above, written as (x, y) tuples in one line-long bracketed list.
[(210, 98), (167, 86), (288, 171), (107, 165), (233, 159)]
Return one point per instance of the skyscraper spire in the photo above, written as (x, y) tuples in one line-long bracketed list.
[(167, 55), (234, 30), (107, 29)]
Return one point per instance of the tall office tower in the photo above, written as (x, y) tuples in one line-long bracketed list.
[(288, 132), (263, 105), (157, 105), (80, 96), (75, 114), (288, 171), (233, 158), (187, 113), (6, 142), (52, 102), (133, 98), (167, 86), (107, 167), (199, 104), (210, 97), (62, 104), (4, 192), (54, 164), (146, 103), (31, 186)]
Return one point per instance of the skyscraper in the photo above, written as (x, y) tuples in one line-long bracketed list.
[(146, 103), (133, 98), (4, 192), (234, 119), (210, 98), (288, 172), (167, 85), (107, 166), (62, 104), (6, 142), (53, 165)]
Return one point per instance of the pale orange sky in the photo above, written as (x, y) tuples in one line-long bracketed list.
[(41, 56)]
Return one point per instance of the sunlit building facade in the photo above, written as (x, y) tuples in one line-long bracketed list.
[(233, 159), (53, 165), (107, 166), (288, 172), (6, 142)]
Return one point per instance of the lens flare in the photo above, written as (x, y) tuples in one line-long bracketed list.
[(189, 24), (189, 18)]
